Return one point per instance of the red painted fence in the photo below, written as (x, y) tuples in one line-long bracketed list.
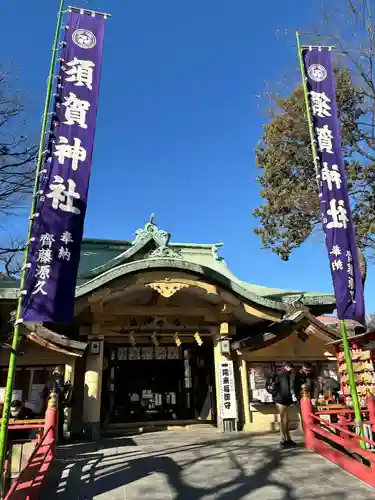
[(30, 481), (339, 444)]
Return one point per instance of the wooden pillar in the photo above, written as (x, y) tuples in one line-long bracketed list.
[(243, 394), (69, 377), (225, 330), (93, 386)]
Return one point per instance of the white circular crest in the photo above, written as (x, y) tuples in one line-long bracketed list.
[(317, 72), (85, 39)]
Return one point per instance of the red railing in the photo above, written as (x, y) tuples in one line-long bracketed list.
[(30, 481), (337, 443)]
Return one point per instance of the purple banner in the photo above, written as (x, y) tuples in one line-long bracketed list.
[(54, 254), (334, 199)]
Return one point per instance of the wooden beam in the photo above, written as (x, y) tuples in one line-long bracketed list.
[(160, 311)]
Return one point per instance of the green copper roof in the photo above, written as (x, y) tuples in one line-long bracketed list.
[(105, 260)]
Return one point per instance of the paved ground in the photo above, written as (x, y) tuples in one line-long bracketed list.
[(198, 464)]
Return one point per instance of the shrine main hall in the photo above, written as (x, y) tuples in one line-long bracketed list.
[(157, 325)]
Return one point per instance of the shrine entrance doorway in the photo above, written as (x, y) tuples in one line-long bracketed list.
[(153, 383)]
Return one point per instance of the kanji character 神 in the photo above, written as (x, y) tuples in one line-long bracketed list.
[(59, 193), (338, 214), (319, 104), (44, 255), (64, 253), (75, 153), (337, 265), (331, 176), (325, 137), (80, 72), (42, 272), (39, 288), (66, 237), (47, 239), (336, 251)]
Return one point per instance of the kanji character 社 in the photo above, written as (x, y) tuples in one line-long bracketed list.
[(63, 198)]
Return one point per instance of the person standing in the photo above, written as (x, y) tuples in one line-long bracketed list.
[(307, 378), (281, 387), (56, 383)]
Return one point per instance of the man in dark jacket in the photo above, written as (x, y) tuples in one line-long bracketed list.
[(281, 387), (20, 412), (307, 378)]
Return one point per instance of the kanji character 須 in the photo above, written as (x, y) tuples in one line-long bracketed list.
[(80, 72)]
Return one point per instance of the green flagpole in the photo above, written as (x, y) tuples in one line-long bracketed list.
[(343, 332), (18, 320)]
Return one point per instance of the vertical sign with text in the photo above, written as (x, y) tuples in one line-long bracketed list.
[(228, 401), (56, 237), (333, 190)]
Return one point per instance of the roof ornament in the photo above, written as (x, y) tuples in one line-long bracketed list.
[(215, 252), (160, 237)]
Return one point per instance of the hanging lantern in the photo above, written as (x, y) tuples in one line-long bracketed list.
[(198, 339), (177, 340), (132, 339), (154, 339)]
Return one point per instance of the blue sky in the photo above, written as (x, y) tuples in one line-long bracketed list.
[(178, 120)]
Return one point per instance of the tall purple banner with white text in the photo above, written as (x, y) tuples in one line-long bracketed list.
[(56, 237), (334, 199)]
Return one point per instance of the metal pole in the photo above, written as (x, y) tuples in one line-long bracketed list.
[(16, 332), (344, 336), (352, 384)]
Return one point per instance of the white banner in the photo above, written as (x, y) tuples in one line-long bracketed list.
[(228, 402)]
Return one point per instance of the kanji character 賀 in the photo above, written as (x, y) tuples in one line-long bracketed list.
[(76, 153), (80, 72), (47, 239), (324, 136), (59, 193), (76, 110), (336, 251), (319, 104), (337, 265), (39, 288), (44, 255), (331, 176), (66, 237), (42, 272), (338, 214), (64, 253)]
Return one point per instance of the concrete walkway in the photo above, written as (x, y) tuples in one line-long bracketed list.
[(197, 464)]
